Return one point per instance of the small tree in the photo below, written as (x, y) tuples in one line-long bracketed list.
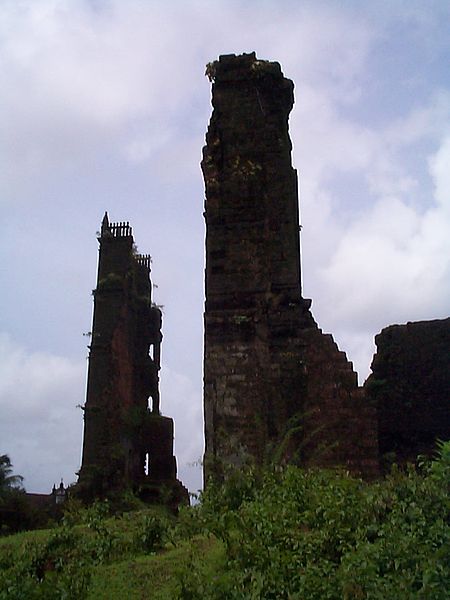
[(8, 481), (14, 510)]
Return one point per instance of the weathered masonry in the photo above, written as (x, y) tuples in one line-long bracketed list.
[(410, 384), (127, 443), (275, 386)]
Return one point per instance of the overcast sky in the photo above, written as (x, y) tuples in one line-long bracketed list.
[(104, 106)]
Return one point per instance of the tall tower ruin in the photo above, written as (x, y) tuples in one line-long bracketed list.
[(127, 442), (274, 384)]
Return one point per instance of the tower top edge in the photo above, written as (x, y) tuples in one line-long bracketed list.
[(121, 229), (242, 66)]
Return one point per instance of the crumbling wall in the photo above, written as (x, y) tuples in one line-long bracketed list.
[(410, 383), (274, 385)]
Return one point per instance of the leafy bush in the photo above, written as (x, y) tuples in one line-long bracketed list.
[(53, 569), (323, 534), (152, 534)]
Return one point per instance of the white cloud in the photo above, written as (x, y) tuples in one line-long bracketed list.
[(79, 80), (78, 83), (392, 264), (40, 426)]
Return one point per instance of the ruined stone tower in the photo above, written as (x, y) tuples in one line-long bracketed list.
[(275, 387), (127, 444)]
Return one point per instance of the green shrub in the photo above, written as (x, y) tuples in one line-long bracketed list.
[(152, 534), (52, 569), (323, 534), (280, 534)]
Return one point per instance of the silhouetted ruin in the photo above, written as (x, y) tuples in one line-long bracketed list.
[(127, 444), (276, 388), (274, 384), (410, 384)]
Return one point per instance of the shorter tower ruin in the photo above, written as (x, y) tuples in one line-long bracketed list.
[(127, 443)]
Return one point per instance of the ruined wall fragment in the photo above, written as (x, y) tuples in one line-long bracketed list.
[(410, 383)]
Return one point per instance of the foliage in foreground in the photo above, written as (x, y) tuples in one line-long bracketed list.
[(299, 534), (284, 534)]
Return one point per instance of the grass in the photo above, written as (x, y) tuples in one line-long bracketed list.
[(15, 543), (127, 570), (159, 576)]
